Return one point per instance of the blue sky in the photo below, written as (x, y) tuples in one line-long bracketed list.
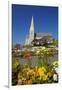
[(45, 20)]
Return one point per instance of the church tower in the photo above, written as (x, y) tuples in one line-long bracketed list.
[(31, 31)]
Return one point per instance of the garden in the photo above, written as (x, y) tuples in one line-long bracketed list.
[(27, 74)]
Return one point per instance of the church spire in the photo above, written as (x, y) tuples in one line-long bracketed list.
[(31, 31), (32, 24)]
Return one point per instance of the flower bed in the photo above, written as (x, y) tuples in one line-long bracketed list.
[(43, 73)]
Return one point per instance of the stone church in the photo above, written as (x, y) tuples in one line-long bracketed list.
[(37, 39)]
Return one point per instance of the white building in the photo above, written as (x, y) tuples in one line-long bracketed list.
[(37, 38), (30, 37)]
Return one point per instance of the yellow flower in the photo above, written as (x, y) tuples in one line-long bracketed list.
[(15, 64), (42, 55), (37, 52), (45, 77), (41, 71), (49, 74), (43, 48), (19, 81), (55, 63)]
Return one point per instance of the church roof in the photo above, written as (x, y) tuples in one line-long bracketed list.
[(42, 34)]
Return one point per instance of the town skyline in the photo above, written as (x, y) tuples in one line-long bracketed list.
[(45, 20)]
